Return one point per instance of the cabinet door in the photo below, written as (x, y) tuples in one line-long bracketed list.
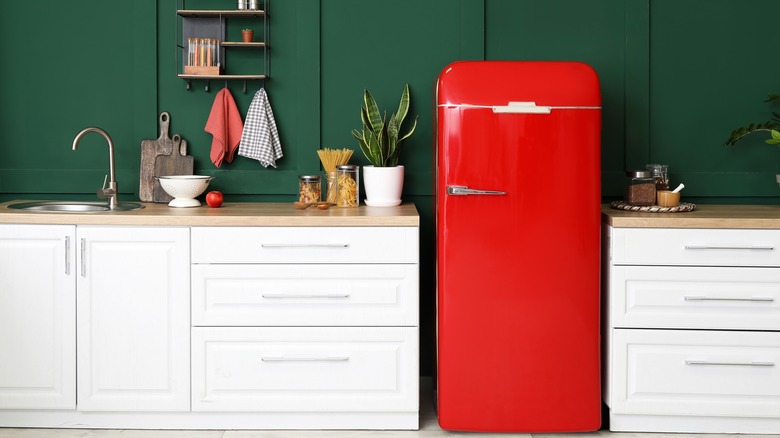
[(37, 317), (133, 325)]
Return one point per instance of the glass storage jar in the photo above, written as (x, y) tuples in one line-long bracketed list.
[(640, 188), (348, 181), (660, 173), (309, 188)]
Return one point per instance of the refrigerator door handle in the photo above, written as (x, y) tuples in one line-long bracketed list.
[(463, 190)]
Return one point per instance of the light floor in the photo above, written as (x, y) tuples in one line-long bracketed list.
[(429, 427)]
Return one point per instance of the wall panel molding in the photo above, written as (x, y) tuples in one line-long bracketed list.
[(637, 71)]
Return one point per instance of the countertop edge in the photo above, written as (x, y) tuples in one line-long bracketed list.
[(230, 214), (705, 216)]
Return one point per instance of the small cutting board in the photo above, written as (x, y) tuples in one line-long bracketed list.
[(150, 149), (175, 163)]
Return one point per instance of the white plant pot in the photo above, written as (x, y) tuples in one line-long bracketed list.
[(383, 185)]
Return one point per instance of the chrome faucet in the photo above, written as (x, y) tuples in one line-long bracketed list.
[(111, 191)]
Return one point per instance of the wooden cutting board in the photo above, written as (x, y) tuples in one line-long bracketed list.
[(175, 163), (150, 149)]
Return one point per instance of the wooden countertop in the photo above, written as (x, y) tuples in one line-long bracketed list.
[(229, 214), (705, 216)]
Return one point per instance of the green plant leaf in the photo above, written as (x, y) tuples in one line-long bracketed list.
[(403, 106), (410, 131), (375, 149), (372, 112)]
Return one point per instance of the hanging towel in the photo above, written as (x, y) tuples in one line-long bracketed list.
[(260, 140), (225, 125)]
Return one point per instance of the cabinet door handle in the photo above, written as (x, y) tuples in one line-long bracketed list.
[(67, 255), (304, 245), (750, 299), (286, 295), (304, 359), (731, 364), (463, 190), (83, 257), (749, 248)]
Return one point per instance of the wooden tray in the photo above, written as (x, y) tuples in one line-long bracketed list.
[(683, 207)]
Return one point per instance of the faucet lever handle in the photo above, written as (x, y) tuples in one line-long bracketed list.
[(105, 180)]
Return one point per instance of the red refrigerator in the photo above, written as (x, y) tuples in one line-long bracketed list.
[(518, 223)]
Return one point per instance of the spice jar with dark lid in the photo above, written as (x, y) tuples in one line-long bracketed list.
[(640, 188)]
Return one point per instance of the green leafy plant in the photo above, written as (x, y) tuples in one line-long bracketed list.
[(772, 126), (380, 139)]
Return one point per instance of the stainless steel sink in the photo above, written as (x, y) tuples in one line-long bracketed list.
[(73, 206)]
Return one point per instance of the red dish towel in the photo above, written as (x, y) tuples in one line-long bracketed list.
[(226, 126)]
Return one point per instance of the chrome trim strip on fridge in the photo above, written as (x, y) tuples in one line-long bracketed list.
[(463, 190)]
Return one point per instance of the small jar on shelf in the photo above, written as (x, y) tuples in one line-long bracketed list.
[(640, 188), (309, 188), (348, 183)]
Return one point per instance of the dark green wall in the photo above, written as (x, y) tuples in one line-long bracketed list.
[(676, 77)]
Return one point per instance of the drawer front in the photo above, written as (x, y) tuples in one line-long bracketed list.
[(305, 295), (299, 369), (696, 373), (695, 297), (305, 244), (695, 247)]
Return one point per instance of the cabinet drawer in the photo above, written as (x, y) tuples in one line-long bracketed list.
[(699, 373), (695, 247), (305, 295), (300, 369), (305, 244), (695, 297)]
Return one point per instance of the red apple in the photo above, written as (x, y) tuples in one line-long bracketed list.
[(214, 199)]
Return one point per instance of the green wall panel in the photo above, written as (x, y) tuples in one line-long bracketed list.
[(711, 67), (67, 78)]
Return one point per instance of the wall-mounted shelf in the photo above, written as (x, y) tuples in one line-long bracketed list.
[(210, 25), (219, 13)]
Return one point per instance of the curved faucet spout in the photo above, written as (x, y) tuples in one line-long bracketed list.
[(111, 191)]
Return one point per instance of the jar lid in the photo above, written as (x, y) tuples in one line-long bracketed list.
[(348, 167), (639, 174), (312, 178)]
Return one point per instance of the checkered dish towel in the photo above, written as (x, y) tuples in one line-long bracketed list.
[(260, 139)]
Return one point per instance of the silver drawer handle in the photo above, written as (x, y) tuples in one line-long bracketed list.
[(463, 190), (751, 299), (304, 359), (733, 364), (750, 248), (304, 245), (67, 255), (284, 295)]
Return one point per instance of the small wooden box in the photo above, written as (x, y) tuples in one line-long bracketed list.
[(202, 70)]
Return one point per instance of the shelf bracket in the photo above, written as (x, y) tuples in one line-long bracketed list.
[(189, 84), (208, 85), (244, 86)]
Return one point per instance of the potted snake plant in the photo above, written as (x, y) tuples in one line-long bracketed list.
[(380, 140)]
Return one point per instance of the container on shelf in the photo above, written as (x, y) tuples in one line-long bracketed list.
[(660, 173), (640, 188), (309, 188), (348, 185)]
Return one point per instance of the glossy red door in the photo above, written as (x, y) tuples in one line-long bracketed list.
[(518, 273)]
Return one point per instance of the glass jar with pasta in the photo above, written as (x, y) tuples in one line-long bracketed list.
[(309, 188), (348, 183)]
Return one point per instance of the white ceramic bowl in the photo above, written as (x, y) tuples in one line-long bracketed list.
[(184, 188)]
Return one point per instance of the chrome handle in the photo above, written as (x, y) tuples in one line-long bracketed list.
[(463, 190), (751, 299), (304, 245), (67, 255), (734, 364), (304, 359), (285, 295), (83, 257), (758, 248)]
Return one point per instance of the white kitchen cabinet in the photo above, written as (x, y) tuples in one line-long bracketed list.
[(133, 319), (306, 321), (251, 316), (691, 326), (37, 317)]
